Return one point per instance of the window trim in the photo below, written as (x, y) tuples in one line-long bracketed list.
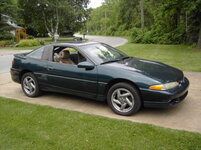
[(73, 47)]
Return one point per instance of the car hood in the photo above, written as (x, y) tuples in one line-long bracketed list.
[(155, 70)]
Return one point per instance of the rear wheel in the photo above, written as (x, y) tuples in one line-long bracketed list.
[(30, 85), (124, 99)]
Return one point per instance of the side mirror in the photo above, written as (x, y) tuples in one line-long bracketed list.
[(86, 65)]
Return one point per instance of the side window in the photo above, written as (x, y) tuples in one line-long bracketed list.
[(68, 55), (37, 54)]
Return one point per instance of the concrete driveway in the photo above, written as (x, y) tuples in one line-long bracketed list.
[(185, 116)]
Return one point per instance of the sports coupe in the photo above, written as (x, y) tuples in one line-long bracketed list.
[(98, 71)]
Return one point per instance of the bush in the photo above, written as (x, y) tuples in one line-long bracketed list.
[(42, 42), (157, 36), (2, 43), (5, 43), (137, 35), (28, 43), (30, 37), (6, 36)]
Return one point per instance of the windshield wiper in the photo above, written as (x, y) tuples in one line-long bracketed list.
[(126, 57)]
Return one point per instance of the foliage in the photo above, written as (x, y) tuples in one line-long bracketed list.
[(30, 37), (6, 36), (7, 8), (2, 43), (35, 127), (53, 17), (42, 42), (6, 43), (166, 21), (28, 43)]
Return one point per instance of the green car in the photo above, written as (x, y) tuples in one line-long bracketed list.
[(100, 72)]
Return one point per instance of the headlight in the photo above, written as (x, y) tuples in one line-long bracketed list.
[(165, 86)]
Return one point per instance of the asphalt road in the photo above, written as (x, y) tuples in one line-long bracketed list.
[(113, 41)]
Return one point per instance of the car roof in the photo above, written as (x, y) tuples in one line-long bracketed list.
[(74, 43)]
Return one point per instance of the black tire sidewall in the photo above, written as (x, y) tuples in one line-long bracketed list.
[(37, 91), (135, 94)]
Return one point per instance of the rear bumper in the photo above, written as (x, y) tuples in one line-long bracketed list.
[(15, 75), (153, 98)]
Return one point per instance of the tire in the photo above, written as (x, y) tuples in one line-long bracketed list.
[(29, 85), (124, 99)]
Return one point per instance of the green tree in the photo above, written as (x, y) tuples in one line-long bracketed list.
[(142, 14), (53, 15), (193, 21), (149, 21), (8, 8)]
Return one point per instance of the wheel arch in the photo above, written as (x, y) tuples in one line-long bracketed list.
[(22, 73), (115, 81)]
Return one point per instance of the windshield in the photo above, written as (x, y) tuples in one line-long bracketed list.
[(102, 53)]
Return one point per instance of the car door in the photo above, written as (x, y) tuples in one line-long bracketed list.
[(70, 79)]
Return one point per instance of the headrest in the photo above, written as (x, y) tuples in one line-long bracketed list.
[(64, 54)]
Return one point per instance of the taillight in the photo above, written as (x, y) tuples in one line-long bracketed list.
[(13, 61)]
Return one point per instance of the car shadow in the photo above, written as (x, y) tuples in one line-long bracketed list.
[(100, 106)]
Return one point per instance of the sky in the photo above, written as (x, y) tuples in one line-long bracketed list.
[(95, 3)]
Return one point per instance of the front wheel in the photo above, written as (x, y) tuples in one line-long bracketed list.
[(30, 85), (124, 99)]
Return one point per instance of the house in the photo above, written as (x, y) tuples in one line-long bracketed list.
[(13, 27)]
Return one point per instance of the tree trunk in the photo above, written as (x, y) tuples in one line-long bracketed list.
[(199, 39), (142, 14), (52, 25)]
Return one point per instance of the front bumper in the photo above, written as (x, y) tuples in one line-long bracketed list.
[(154, 98)]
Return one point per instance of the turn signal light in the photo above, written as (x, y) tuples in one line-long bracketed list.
[(156, 87), (165, 86)]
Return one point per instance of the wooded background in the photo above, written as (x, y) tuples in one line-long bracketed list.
[(144, 21), (149, 21)]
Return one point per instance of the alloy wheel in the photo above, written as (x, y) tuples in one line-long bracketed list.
[(122, 100), (29, 85)]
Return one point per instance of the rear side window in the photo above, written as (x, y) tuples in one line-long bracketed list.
[(37, 54)]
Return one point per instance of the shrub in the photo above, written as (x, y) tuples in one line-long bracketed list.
[(5, 43), (42, 42), (156, 35), (6, 36), (2, 43), (28, 43), (137, 35), (30, 37)]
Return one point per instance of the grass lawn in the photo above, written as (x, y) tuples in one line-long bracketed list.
[(178, 56), (34, 127)]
